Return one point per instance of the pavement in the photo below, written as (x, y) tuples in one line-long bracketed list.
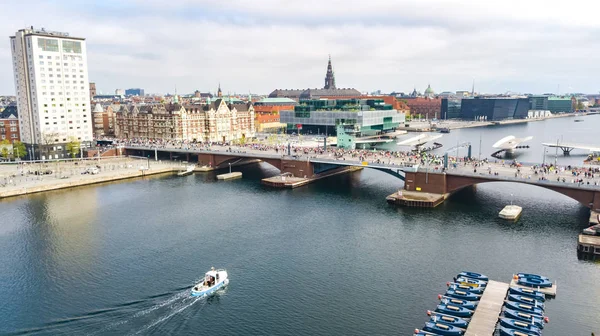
[(21, 177)]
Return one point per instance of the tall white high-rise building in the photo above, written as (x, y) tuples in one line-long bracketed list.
[(52, 87)]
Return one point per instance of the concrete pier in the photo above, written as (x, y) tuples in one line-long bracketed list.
[(483, 322), (229, 176)]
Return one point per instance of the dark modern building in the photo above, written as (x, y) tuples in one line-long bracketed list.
[(134, 92), (494, 108), (450, 108)]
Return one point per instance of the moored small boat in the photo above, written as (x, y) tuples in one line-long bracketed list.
[(524, 307), (525, 299), (528, 292), (458, 302), (424, 333), (213, 281), (448, 319), (442, 329), (470, 289), (453, 310), (512, 332), (470, 282), (532, 276), (537, 320), (534, 282), (510, 212), (520, 325), (463, 295), (473, 275)]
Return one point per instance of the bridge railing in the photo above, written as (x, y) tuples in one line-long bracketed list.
[(504, 178)]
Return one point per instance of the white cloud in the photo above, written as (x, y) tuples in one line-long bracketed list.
[(527, 46)]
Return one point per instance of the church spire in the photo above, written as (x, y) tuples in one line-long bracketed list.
[(329, 76), (219, 92)]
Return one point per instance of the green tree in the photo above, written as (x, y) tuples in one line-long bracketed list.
[(19, 150), (73, 146), (4, 152), (580, 106)]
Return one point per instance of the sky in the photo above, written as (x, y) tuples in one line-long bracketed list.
[(526, 46)]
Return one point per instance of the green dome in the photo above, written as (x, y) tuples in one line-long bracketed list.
[(429, 90)]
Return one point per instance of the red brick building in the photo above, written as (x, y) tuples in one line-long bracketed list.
[(266, 112), (425, 107), (9, 124)]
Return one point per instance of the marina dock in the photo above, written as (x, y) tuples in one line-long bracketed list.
[(486, 315)]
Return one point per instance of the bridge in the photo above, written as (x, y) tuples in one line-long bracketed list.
[(310, 164), (567, 147)]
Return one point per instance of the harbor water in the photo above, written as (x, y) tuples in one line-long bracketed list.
[(330, 258)]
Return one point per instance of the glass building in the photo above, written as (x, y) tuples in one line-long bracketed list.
[(450, 108), (494, 108), (348, 119)]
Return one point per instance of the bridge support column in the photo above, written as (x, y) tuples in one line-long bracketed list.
[(421, 189)]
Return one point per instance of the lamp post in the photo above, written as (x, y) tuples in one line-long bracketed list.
[(229, 167)]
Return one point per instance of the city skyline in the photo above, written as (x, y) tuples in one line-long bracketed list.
[(392, 46)]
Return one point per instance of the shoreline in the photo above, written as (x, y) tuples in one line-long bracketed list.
[(425, 126)]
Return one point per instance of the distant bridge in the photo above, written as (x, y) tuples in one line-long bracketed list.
[(567, 147)]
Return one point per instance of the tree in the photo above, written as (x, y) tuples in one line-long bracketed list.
[(580, 106), (19, 150), (4, 146), (73, 146)]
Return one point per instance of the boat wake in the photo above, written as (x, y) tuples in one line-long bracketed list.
[(145, 316)]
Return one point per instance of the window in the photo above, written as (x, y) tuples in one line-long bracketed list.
[(71, 46), (14, 136), (49, 57), (41, 62), (47, 44), (49, 69), (41, 57)]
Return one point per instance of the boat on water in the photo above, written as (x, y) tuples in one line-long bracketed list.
[(537, 320), (424, 333), (473, 275), (443, 329), (453, 310), (448, 319), (532, 276), (511, 212), (524, 307), (521, 326), (525, 299), (593, 230), (444, 130), (463, 295), (578, 120), (528, 292), (471, 282), (213, 281), (462, 303), (534, 282), (187, 171), (512, 332), (471, 289)]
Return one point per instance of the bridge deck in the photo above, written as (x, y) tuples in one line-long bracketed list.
[(592, 148), (488, 310)]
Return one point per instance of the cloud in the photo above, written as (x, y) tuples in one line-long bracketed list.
[(258, 46)]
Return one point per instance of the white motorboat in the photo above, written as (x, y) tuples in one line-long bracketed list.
[(188, 171), (511, 212), (213, 280)]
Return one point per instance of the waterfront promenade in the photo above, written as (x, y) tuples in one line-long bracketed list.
[(26, 177)]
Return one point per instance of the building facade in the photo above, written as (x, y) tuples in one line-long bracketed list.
[(267, 113), (53, 93), (450, 108), (425, 107), (216, 121), (134, 92), (9, 124), (103, 120), (494, 108), (92, 89), (348, 119), (562, 104)]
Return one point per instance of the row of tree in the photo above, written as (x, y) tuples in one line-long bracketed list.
[(17, 149)]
